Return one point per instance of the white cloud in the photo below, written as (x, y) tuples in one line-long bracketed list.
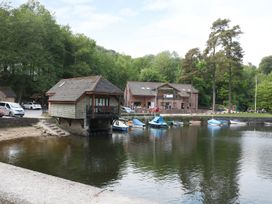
[(156, 5), (165, 24), (83, 17), (128, 12), (182, 25)]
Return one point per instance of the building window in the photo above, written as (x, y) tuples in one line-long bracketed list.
[(101, 101), (137, 104)]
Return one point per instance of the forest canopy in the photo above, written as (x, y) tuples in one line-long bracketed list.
[(36, 52)]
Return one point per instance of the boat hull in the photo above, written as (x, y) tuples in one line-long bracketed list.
[(214, 122), (156, 125), (117, 128)]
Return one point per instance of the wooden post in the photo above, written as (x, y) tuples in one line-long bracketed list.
[(118, 105), (93, 105)]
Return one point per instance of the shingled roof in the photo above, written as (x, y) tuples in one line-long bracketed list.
[(70, 90), (7, 91), (138, 88)]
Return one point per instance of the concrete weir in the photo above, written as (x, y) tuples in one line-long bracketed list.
[(22, 186)]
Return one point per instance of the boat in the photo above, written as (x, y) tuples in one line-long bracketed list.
[(237, 122), (119, 125), (137, 123), (176, 123), (268, 123), (158, 122), (129, 123), (224, 122), (214, 122)]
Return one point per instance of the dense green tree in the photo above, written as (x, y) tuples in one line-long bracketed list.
[(212, 56), (234, 55), (151, 75), (264, 96), (224, 51), (190, 65), (35, 52), (168, 65), (266, 65)]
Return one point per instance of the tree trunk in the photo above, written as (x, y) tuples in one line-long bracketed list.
[(214, 94)]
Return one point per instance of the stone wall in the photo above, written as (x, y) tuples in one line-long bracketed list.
[(17, 122)]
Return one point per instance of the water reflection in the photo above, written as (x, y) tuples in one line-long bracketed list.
[(95, 161), (177, 165)]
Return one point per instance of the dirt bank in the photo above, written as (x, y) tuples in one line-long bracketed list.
[(19, 132)]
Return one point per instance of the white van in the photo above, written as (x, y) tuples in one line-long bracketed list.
[(12, 109)]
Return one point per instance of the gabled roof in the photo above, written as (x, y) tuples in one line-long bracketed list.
[(149, 88), (185, 87), (143, 88), (72, 89), (7, 91)]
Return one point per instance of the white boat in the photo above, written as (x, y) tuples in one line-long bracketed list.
[(237, 122), (268, 123), (119, 125)]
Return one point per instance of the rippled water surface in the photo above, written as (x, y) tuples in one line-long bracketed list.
[(176, 165)]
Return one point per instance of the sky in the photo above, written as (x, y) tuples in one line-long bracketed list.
[(141, 27)]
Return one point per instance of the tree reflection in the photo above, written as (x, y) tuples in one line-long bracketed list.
[(94, 161), (207, 166)]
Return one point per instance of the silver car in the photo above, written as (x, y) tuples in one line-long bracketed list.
[(12, 109)]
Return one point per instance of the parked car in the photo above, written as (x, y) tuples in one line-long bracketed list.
[(2, 112), (127, 110), (12, 109), (32, 105)]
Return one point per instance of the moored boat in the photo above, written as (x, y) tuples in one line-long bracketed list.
[(158, 122), (214, 122), (237, 122), (137, 123), (119, 125)]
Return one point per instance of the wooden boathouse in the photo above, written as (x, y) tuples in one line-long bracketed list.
[(85, 105)]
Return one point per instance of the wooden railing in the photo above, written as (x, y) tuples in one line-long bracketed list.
[(102, 111)]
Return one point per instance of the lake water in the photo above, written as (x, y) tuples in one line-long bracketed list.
[(194, 164)]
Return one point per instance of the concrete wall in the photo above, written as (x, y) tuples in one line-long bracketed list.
[(22, 186), (62, 110), (74, 126)]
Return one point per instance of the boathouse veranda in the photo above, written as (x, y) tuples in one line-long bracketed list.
[(85, 105)]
